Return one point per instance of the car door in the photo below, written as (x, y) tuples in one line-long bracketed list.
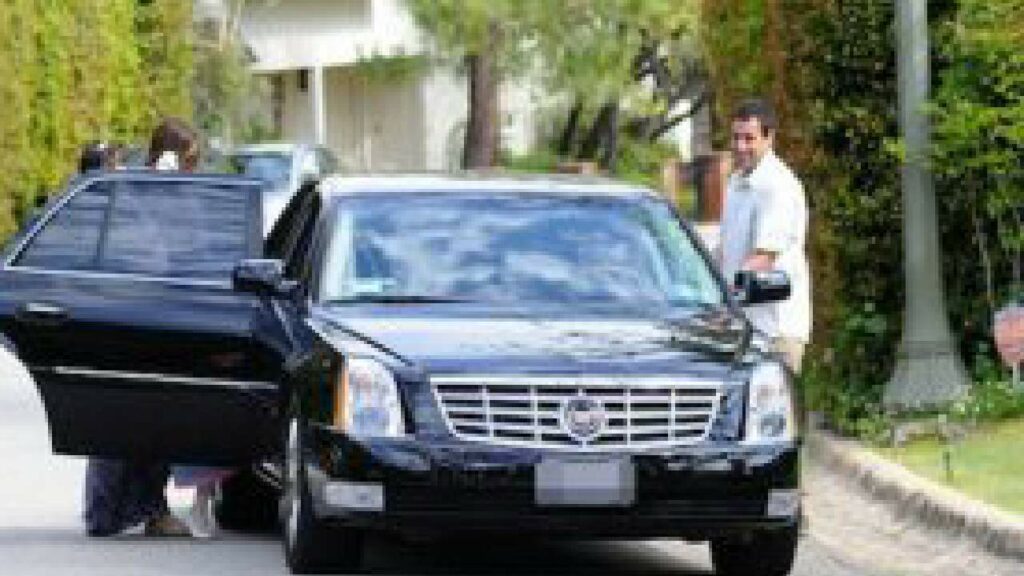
[(120, 303)]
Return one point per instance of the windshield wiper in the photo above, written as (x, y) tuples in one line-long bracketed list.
[(397, 299)]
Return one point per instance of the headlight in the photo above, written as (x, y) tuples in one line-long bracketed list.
[(366, 400), (770, 413)]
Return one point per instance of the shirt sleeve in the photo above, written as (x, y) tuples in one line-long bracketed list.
[(774, 227)]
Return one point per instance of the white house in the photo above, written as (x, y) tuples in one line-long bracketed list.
[(316, 56)]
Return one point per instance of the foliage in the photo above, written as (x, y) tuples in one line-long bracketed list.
[(536, 162), (641, 161), (77, 71), (862, 338), (378, 68), (626, 68), (990, 400), (829, 68), (223, 88), (979, 143)]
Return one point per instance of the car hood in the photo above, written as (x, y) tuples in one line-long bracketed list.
[(710, 341)]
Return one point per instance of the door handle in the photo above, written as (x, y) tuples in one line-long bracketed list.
[(41, 313)]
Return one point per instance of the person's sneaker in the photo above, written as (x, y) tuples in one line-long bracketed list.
[(201, 518), (166, 525)]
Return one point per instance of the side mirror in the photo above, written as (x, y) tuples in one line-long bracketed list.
[(262, 276), (761, 287)]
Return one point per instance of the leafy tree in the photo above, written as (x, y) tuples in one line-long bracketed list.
[(979, 144), (480, 34), (624, 65), (223, 86), (633, 68), (79, 70)]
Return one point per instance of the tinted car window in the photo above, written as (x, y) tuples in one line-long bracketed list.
[(70, 240), (604, 251), (159, 228)]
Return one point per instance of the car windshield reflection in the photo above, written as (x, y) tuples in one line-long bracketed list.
[(514, 249)]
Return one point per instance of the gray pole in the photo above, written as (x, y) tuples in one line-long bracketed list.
[(928, 370)]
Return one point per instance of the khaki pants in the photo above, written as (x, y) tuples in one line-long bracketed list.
[(791, 350)]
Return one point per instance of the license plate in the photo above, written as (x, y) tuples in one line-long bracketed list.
[(564, 482)]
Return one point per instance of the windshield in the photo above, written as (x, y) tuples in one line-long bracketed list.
[(514, 249), (273, 168)]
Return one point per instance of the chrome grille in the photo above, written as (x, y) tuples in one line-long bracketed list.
[(641, 412)]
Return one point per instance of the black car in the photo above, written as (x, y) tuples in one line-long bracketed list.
[(418, 354)]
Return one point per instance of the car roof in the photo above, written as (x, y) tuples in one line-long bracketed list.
[(147, 174), (270, 147), (558, 184)]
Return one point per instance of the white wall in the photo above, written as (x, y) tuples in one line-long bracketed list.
[(446, 106), (289, 34), (370, 125), (413, 124), (297, 116)]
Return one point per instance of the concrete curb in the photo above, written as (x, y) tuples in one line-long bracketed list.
[(932, 504)]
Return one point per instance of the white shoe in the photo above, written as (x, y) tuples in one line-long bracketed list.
[(201, 520)]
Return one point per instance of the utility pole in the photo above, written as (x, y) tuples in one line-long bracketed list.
[(928, 371)]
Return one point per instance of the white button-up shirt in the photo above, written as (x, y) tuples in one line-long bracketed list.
[(766, 210)]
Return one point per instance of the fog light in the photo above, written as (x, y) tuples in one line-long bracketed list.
[(359, 496), (783, 503)]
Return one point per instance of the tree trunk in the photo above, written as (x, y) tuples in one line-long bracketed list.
[(569, 132), (611, 141), (481, 149), (598, 130)]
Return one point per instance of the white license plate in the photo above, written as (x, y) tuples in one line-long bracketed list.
[(565, 482)]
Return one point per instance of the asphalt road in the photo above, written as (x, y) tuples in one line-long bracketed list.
[(41, 533)]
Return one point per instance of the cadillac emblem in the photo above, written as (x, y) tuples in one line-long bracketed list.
[(583, 418)]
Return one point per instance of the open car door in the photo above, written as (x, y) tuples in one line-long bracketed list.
[(120, 303)]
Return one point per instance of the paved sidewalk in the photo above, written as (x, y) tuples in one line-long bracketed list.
[(931, 504)]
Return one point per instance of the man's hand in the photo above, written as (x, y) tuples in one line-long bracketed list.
[(760, 261)]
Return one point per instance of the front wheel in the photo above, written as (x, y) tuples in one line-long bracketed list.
[(767, 553), (311, 546)]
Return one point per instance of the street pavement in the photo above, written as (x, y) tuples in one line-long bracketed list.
[(41, 531)]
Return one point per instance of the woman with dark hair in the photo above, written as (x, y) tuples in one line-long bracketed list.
[(174, 146), (122, 494)]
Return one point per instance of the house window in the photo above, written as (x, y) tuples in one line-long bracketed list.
[(303, 81)]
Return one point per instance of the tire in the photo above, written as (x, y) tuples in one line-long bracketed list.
[(245, 502), (767, 553), (311, 546)]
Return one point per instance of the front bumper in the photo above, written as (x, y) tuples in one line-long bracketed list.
[(694, 492)]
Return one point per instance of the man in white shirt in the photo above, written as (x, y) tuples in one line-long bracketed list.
[(764, 227)]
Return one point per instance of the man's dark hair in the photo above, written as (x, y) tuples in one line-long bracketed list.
[(760, 109), (96, 155)]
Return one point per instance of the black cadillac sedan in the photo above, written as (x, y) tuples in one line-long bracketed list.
[(420, 354)]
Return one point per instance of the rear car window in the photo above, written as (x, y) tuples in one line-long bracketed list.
[(186, 229)]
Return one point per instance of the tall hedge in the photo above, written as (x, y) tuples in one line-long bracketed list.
[(77, 70)]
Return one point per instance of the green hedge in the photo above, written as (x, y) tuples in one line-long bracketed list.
[(77, 70)]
